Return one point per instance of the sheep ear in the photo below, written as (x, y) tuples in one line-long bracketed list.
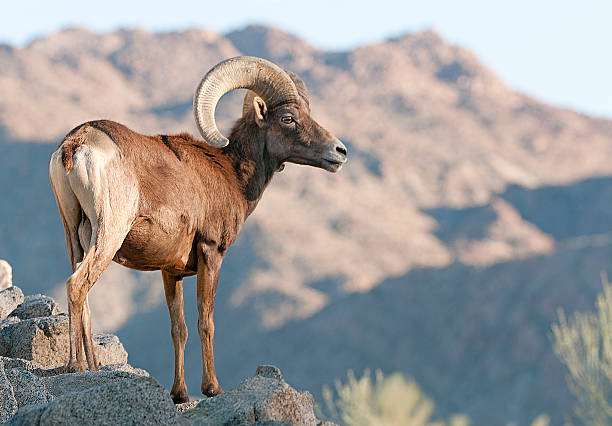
[(261, 111)]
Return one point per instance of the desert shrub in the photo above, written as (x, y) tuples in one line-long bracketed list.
[(388, 401), (541, 420), (392, 400), (584, 344)]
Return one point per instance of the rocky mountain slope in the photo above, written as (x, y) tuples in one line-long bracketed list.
[(461, 197)]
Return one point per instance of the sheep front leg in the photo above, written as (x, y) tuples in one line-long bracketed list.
[(209, 264), (173, 288)]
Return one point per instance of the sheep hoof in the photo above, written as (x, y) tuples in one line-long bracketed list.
[(212, 390), (74, 368), (180, 397)]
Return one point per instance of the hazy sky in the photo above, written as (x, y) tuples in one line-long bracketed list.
[(559, 51)]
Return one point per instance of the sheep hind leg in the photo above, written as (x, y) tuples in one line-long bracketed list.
[(76, 257), (90, 355), (100, 253), (106, 230), (71, 215)]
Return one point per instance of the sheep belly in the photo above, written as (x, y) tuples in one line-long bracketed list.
[(148, 246)]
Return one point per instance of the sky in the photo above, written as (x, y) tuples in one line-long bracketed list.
[(557, 51)]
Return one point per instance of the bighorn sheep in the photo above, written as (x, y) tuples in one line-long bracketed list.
[(175, 204)]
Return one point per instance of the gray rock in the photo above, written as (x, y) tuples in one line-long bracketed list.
[(27, 388), (8, 404), (42, 340), (125, 367), (130, 399), (186, 406), (269, 371), (10, 298), (77, 382), (22, 364), (8, 321), (109, 349), (262, 398), (6, 275), (45, 341), (36, 306), (38, 371)]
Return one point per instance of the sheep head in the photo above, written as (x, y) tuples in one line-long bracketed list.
[(278, 103)]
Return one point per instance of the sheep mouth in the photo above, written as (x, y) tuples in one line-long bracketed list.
[(333, 162), (332, 165)]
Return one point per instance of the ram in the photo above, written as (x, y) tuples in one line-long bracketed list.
[(175, 203)]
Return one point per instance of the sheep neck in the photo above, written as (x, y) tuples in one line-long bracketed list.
[(252, 163)]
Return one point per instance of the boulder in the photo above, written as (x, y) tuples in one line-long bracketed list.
[(8, 321), (36, 306), (21, 364), (121, 399), (10, 298), (46, 372), (109, 349), (31, 384), (45, 341), (63, 384), (28, 388), (186, 406), (8, 404), (262, 399), (124, 367), (6, 275), (42, 340)]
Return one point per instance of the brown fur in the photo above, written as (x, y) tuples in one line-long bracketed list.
[(175, 204)]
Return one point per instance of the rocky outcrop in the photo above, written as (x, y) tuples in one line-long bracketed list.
[(10, 298), (37, 389), (6, 275), (36, 306), (28, 389), (8, 404), (265, 398), (29, 394), (109, 349), (45, 341), (42, 340), (101, 398)]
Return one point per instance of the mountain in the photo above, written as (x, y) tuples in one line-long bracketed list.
[(466, 215)]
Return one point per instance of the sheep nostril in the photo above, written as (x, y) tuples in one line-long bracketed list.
[(341, 150)]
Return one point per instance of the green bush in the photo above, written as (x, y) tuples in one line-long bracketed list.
[(584, 344)]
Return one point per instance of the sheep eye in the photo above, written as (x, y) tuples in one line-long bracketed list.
[(287, 119)]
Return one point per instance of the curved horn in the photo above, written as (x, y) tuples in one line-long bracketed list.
[(300, 86), (247, 103), (266, 79)]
